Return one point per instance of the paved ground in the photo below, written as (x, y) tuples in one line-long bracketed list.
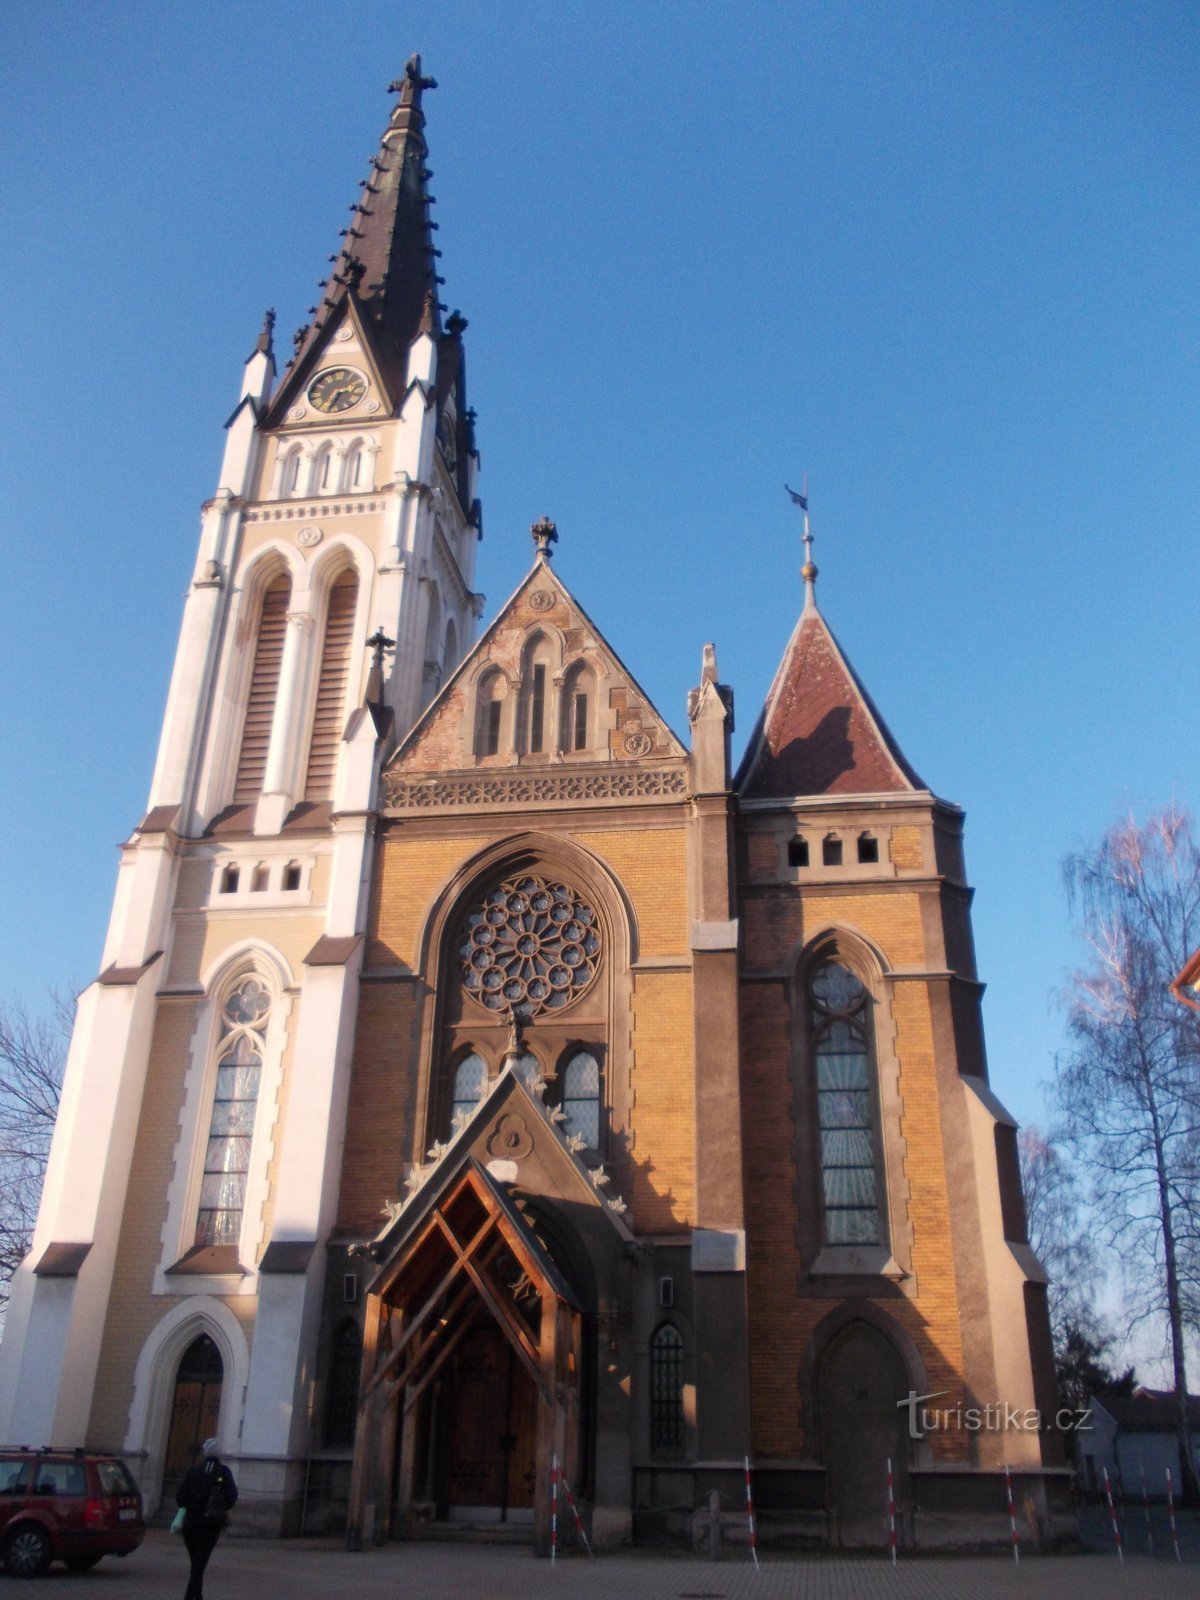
[(256, 1569)]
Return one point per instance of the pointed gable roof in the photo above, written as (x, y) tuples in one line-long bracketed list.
[(540, 600), (819, 732), (387, 265)]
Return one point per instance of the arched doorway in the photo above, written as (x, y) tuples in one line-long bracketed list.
[(195, 1410), (861, 1384)]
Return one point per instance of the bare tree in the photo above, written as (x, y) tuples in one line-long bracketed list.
[(1060, 1234), (1128, 1089), (33, 1052)]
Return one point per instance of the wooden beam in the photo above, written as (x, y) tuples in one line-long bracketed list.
[(448, 1347), (507, 1318), (422, 1316)]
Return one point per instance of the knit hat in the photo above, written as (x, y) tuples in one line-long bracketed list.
[(210, 1446)]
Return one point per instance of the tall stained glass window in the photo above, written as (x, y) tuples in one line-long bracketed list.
[(846, 1104), (235, 1102)]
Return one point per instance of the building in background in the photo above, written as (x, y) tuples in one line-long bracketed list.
[(479, 1072)]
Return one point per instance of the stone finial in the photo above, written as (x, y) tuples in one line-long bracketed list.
[(265, 338), (544, 534), (708, 666)]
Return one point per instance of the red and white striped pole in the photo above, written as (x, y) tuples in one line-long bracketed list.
[(1112, 1512), (1012, 1515), (750, 1516), (1146, 1511), (1171, 1516), (891, 1493), (553, 1509), (579, 1527)]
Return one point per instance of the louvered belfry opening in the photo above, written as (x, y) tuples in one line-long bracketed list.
[(264, 682), (330, 712)]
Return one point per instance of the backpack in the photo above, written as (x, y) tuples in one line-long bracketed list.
[(216, 1511)]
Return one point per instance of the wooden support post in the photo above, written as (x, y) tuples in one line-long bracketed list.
[(547, 1431), (360, 1519)]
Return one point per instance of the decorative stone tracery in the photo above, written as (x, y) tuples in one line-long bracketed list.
[(532, 946)]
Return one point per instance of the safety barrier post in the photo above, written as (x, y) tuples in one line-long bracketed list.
[(1146, 1511), (553, 1509), (750, 1516), (1171, 1515), (1012, 1515), (579, 1527), (1112, 1512)]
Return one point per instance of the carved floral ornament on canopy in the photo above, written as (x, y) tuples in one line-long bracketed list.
[(532, 946)]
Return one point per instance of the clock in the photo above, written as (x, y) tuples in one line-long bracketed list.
[(337, 389)]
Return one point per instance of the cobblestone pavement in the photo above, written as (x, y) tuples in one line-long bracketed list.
[(260, 1569)]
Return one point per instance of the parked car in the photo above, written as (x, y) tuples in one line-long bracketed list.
[(65, 1505)]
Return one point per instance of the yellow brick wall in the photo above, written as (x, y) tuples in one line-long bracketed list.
[(663, 1186), (382, 1105), (408, 875), (200, 941), (905, 848), (651, 863), (775, 926)]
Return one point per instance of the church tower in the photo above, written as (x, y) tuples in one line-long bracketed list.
[(483, 1080), (332, 589)]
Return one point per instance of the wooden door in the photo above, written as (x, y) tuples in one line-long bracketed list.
[(488, 1443), (860, 1392), (195, 1410)]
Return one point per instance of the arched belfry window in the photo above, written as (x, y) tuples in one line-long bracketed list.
[(666, 1391), (337, 658), (847, 1103), (264, 684), (536, 732), (240, 1049)]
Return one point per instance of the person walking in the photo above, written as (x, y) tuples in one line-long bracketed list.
[(207, 1492)]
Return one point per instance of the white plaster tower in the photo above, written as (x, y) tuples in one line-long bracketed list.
[(196, 1161)]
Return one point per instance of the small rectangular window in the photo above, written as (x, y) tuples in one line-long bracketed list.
[(868, 847), (349, 1288), (831, 852), (580, 729), (291, 876), (537, 709), (797, 852), (491, 739)]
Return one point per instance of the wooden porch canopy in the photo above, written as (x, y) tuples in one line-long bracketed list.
[(467, 1253)]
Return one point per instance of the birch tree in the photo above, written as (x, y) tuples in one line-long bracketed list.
[(1128, 1088)]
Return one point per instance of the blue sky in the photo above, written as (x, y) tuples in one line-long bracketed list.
[(942, 257)]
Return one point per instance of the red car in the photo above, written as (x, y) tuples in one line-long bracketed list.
[(65, 1505)]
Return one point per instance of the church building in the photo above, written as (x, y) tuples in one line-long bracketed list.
[(482, 1076)]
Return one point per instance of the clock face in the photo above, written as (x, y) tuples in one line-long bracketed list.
[(337, 389)]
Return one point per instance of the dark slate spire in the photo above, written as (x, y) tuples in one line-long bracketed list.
[(387, 261)]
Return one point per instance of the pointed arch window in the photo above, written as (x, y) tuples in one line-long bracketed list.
[(579, 1097), (290, 479), (470, 1086), (578, 709), (488, 712), (356, 468), (264, 685), (847, 1104), (450, 653), (323, 472), (240, 1049), (329, 715)]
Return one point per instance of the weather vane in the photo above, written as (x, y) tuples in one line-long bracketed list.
[(808, 571)]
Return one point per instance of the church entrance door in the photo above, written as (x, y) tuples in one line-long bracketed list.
[(195, 1410), (488, 1444), (860, 1382)]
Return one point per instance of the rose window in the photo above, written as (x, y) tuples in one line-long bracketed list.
[(531, 946)]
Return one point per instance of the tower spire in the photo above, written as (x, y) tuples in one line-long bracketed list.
[(387, 259), (809, 570)]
